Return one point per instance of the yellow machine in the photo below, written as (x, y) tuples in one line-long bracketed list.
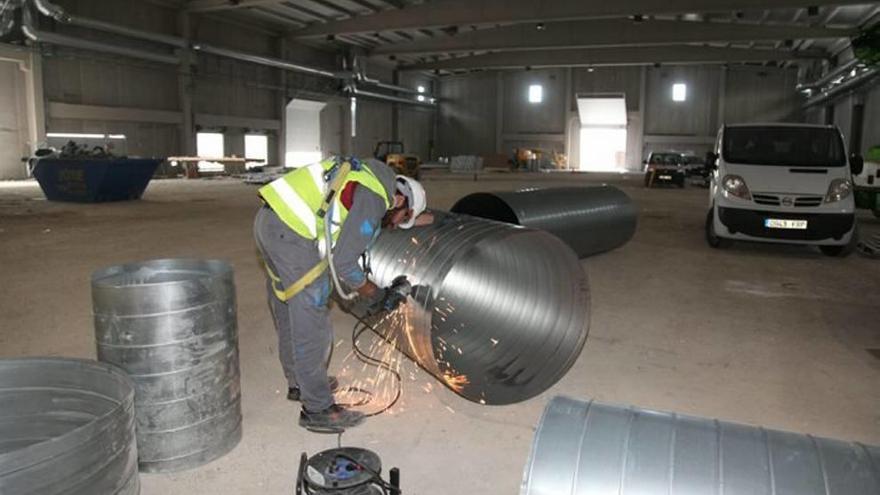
[(393, 155)]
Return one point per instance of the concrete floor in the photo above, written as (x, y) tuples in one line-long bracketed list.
[(771, 335)]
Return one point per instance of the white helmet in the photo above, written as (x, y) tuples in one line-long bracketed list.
[(415, 196)]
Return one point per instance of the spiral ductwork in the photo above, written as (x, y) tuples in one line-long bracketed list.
[(171, 325), (66, 427), (499, 312), (587, 447), (589, 219)]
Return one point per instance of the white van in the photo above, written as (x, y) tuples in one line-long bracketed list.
[(783, 183)]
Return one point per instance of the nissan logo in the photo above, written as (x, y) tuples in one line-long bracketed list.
[(787, 201)]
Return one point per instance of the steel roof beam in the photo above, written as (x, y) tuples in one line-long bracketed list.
[(608, 32), (589, 57), (474, 12)]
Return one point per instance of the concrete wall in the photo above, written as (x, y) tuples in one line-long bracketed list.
[(417, 125), (470, 117), (468, 114)]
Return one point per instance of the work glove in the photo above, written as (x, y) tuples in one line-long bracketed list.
[(364, 307), (386, 300)]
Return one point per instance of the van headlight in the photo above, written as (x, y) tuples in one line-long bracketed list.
[(839, 190), (734, 185)]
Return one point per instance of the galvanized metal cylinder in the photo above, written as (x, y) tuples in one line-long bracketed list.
[(500, 312), (171, 325), (590, 219), (66, 427), (601, 449)]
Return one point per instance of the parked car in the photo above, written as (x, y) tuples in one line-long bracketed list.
[(696, 168), (693, 164), (783, 183), (665, 167)]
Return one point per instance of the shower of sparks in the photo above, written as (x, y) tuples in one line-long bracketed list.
[(455, 382), (373, 388)]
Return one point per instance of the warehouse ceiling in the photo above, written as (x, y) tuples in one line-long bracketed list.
[(457, 35)]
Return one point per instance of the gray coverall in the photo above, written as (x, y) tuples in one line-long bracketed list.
[(305, 335)]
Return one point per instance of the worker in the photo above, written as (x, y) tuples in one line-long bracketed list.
[(315, 224)]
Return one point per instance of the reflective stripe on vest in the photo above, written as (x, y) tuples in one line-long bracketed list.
[(297, 196)]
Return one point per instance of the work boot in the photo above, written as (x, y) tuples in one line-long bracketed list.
[(294, 394), (334, 419)]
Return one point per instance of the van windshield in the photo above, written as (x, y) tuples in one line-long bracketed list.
[(786, 146)]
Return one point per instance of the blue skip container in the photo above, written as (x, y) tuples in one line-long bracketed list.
[(94, 180)]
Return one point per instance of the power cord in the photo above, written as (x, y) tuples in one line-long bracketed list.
[(359, 328)]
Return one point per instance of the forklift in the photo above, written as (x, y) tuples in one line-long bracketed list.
[(392, 154)]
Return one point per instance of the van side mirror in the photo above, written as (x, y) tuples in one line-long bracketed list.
[(856, 164), (711, 160)]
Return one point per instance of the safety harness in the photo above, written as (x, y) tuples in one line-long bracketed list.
[(335, 178)]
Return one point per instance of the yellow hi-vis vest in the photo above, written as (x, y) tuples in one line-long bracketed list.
[(297, 197)]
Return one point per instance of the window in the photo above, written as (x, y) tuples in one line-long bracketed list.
[(679, 92), (256, 150), (210, 145), (536, 93), (783, 146)]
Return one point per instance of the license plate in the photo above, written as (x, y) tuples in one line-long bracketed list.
[(666, 177), (778, 223)]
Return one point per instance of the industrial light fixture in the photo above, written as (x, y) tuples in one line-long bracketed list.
[(74, 135), (540, 26)]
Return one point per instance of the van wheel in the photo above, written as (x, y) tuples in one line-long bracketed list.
[(842, 251), (834, 251), (711, 237), (877, 213)]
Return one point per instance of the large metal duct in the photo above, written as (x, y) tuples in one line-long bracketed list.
[(66, 427), (589, 219), (171, 325), (600, 449), (500, 312), (32, 33)]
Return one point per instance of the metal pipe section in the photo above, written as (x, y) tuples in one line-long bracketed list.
[(827, 78), (862, 79), (499, 312), (32, 33), (171, 325), (261, 60), (393, 99), (589, 219), (390, 87), (66, 427), (593, 448), (59, 14)]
